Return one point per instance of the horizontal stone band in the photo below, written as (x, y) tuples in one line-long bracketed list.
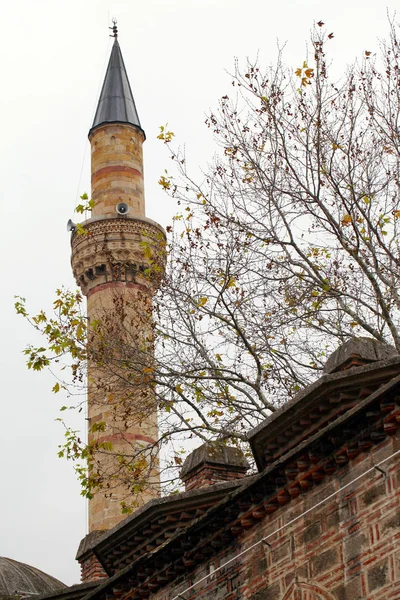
[(129, 171)]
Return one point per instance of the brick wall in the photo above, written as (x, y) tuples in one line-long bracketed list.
[(209, 475), (91, 568), (346, 549)]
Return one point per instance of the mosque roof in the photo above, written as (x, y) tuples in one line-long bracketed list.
[(24, 581)]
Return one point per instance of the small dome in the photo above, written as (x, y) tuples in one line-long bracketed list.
[(24, 581)]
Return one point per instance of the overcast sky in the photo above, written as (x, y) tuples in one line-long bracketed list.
[(53, 56)]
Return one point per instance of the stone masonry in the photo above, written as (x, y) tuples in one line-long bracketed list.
[(117, 168), (118, 262)]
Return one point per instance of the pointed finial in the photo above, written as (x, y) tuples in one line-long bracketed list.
[(114, 29)]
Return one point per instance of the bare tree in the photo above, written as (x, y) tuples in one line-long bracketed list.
[(287, 247)]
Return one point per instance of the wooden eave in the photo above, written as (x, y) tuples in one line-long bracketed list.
[(153, 525), (315, 406), (359, 429)]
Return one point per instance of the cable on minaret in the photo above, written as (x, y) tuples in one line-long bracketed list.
[(114, 29)]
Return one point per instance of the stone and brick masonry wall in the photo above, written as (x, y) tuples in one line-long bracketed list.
[(346, 549), (117, 169)]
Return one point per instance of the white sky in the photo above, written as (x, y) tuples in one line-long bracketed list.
[(53, 57)]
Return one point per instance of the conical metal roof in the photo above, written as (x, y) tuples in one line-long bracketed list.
[(19, 579), (116, 103)]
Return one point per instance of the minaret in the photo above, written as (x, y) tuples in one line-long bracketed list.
[(118, 262)]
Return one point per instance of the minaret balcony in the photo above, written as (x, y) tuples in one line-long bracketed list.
[(120, 249)]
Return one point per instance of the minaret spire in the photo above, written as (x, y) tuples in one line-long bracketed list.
[(116, 103)]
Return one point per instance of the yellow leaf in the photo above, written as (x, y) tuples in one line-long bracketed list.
[(165, 135), (347, 220), (80, 230), (56, 388), (164, 182), (202, 301), (396, 214)]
